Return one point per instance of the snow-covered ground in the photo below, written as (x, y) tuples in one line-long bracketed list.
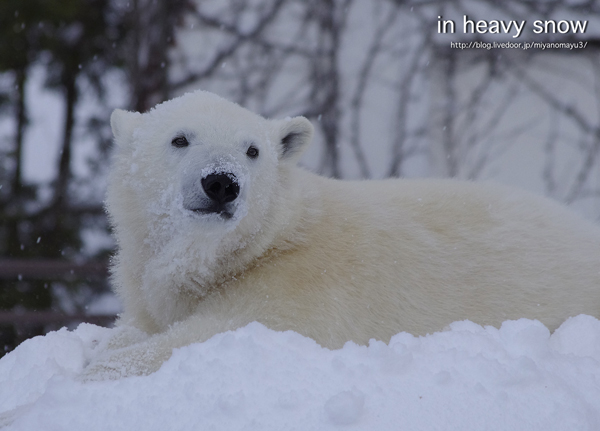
[(518, 377)]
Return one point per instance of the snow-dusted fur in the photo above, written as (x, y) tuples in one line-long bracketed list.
[(332, 260)]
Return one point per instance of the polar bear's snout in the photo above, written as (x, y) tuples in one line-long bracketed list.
[(215, 193), (221, 188)]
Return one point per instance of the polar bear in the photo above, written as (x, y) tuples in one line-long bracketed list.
[(217, 227)]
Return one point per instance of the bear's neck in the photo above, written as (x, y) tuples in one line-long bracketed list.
[(296, 210)]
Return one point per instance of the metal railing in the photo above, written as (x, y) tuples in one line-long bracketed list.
[(50, 268), (36, 269)]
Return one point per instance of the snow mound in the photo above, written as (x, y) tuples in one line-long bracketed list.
[(518, 377)]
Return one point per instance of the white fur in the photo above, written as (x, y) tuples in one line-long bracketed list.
[(332, 260)]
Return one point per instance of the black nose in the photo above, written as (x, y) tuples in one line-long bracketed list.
[(221, 188)]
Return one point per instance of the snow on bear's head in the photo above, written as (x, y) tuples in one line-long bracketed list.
[(195, 181)]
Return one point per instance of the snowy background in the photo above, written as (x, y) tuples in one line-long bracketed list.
[(388, 97)]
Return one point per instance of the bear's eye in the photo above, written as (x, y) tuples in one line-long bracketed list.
[(180, 142), (252, 152)]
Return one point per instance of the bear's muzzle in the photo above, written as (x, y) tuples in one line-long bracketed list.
[(221, 189)]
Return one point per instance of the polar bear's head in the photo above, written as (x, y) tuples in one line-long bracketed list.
[(198, 176), (204, 156)]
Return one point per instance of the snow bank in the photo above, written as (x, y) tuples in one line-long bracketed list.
[(518, 377)]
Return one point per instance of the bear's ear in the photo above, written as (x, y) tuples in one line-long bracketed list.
[(294, 136), (122, 124)]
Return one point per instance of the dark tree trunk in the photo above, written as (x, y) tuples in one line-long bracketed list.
[(15, 205), (21, 117), (325, 90), (64, 165), (153, 23)]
